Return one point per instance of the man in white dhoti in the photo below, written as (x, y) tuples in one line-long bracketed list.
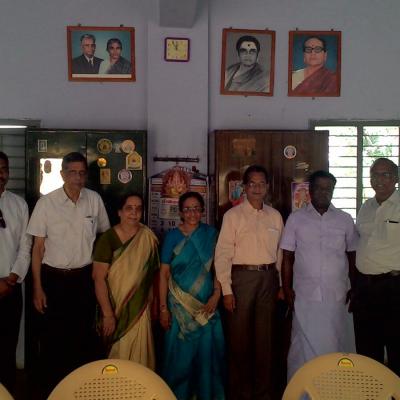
[(318, 243)]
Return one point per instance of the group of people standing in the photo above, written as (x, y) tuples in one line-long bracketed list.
[(315, 252)]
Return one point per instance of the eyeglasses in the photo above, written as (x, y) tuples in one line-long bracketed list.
[(384, 175), (2, 221), (192, 209), (253, 185), (316, 49), (245, 51)]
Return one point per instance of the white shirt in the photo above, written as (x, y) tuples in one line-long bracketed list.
[(248, 236), (15, 243), (320, 242), (69, 228), (378, 251)]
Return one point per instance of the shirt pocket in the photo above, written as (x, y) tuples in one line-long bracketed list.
[(336, 239), (272, 235), (392, 231), (90, 226)]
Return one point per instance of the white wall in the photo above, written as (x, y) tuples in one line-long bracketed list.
[(180, 102), (370, 61)]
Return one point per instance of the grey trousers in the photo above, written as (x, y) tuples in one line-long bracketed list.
[(250, 334)]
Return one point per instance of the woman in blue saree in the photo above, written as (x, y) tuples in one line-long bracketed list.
[(193, 364)]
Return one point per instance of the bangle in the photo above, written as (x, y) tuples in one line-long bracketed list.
[(164, 310), (163, 307)]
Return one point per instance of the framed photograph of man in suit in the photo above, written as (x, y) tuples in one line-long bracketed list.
[(314, 63), (247, 67), (99, 54)]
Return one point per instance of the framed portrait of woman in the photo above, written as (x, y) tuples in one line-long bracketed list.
[(100, 54), (247, 67), (314, 63)]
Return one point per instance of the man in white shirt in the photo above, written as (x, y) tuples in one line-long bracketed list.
[(64, 224), (246, 259), (318, 243), (376, 294), (15, 249)]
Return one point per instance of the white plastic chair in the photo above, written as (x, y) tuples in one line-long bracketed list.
[(112, 380), (343, 376)]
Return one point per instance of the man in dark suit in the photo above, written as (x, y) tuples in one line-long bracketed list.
[(87, 63)]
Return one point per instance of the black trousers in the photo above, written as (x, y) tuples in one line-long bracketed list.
[(10, 315), (250, 335), (67, 328), (376, 312)]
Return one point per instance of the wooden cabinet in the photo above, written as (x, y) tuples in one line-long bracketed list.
[(235, 150)]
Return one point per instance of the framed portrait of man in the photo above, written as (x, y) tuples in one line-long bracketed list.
[(247, 67), (100, 54), (314, 63)]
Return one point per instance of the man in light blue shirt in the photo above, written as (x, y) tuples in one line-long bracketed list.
[(318, 244)]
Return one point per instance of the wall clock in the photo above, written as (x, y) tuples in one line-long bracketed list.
[(177, 49)]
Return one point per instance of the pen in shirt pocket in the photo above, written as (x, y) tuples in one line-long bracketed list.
[(390, 221)]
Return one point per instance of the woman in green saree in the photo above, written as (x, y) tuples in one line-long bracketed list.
[(125, 260), (193, 357)]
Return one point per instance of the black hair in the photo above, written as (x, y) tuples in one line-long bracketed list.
[(323, 41), (248, 38), (121, 201), (4, 157), (255, 168), (320, 174), (73, 157), (189, 195)]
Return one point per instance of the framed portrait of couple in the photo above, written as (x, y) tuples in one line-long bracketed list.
[(248, 57), (101, 54)]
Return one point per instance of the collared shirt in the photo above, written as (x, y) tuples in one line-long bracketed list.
[(320, 242), (248, 236), (378, 251), (15, 243), (69, 228)]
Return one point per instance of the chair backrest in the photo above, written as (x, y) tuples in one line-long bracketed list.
[(112, 379), (344, 377), (4, 394)]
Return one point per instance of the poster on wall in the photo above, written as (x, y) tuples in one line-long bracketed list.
[(314, 63), (164, 191), (247, 67), (101, 54), (300, 195)]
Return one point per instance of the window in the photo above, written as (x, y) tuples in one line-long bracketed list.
[(353, 146), (12, 142)]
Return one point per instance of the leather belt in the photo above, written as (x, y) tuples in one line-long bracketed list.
[(253, 267), (379, 277), (66, 271)]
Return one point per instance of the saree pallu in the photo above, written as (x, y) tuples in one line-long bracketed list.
[(130, 280), (193, 364)]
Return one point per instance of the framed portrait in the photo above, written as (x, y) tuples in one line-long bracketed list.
[(314, 63), (100, 54), (247, 67)]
